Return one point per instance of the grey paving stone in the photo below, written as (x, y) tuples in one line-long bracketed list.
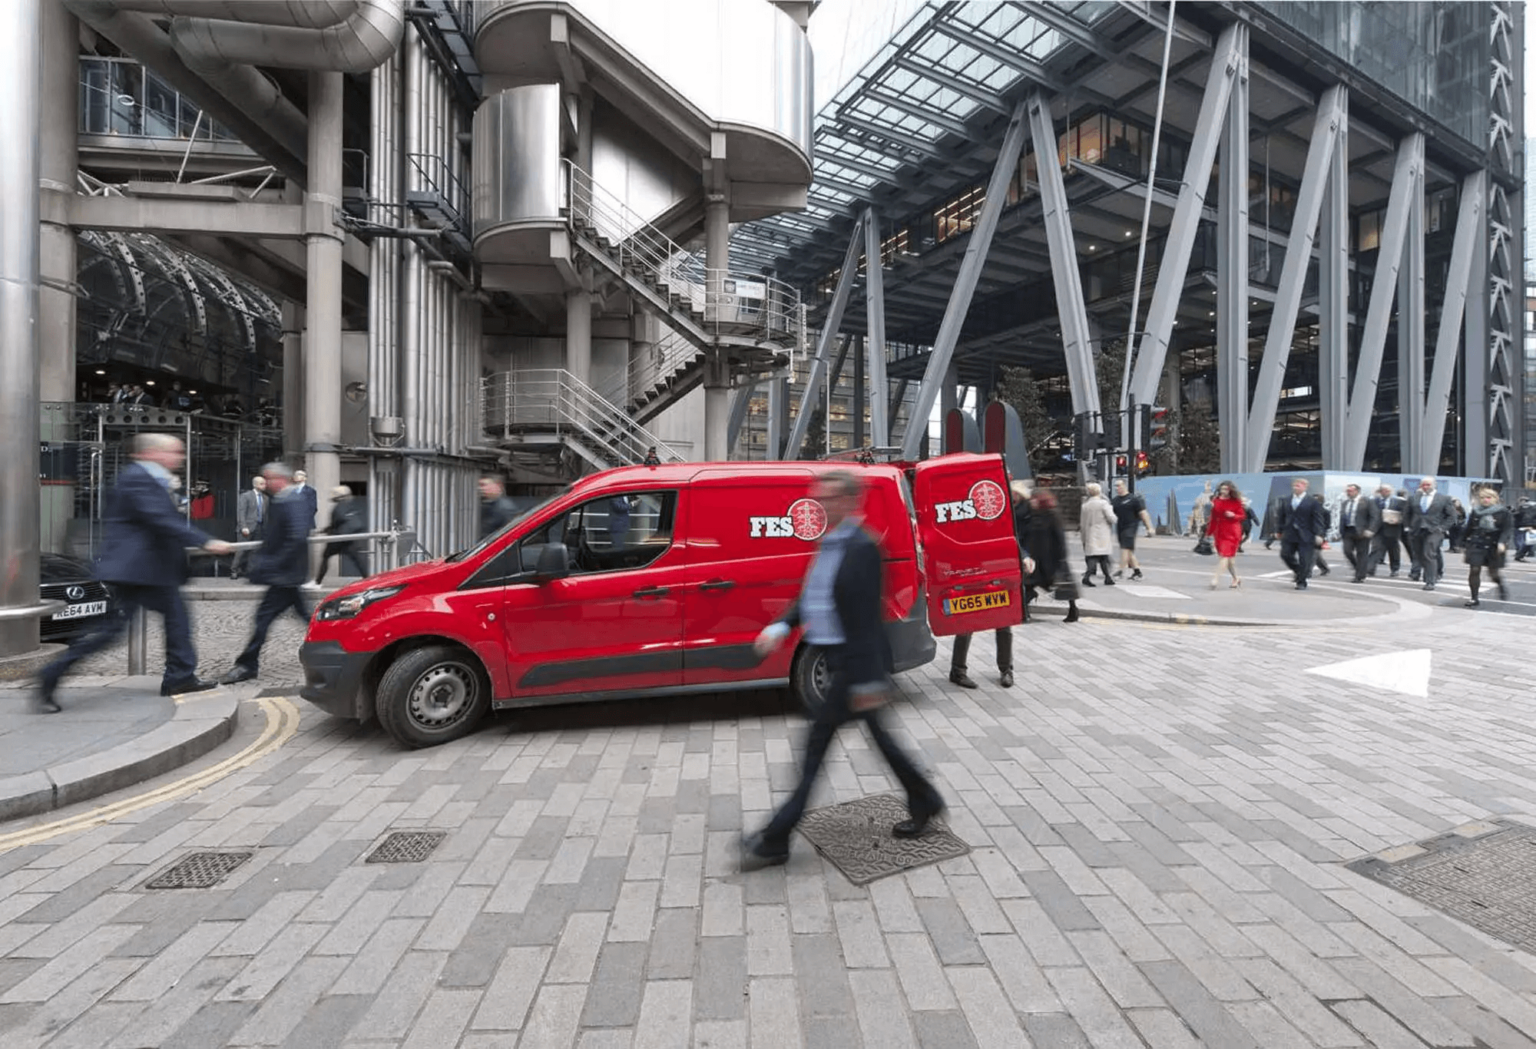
[(1204, 1013), (545, 916), (213, 1024), (943, 1030), (674, 945), (720, 983), (601, 880), (1066, 911), (1057, 1030), (831, 1032), (474, 961), (393, 1012)]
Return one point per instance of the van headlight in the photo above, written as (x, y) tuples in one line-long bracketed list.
[(348, 607)]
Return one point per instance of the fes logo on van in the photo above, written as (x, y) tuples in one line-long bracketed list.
[(805, 520), (986, 501)]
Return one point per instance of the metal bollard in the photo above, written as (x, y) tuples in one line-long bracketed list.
[(138, 641)]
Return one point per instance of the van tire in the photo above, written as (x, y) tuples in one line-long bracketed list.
[(431, 695), (809, 678)]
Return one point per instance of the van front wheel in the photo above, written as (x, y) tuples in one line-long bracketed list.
[(810, 678), (432, 695)]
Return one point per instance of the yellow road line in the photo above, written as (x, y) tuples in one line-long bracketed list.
[(282, 722)]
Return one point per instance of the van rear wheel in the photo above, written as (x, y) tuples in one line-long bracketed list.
[(810, 678), (432, 695)]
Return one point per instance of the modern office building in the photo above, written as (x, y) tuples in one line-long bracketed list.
[(401, 243), (1334, 223)]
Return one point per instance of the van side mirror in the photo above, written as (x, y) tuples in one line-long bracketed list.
[(553, 563)]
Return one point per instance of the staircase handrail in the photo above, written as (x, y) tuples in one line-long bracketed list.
[(669, 355), (557, 399), (730, 302)]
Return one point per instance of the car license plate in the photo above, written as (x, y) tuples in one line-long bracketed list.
[(89, 608), (955, 606)]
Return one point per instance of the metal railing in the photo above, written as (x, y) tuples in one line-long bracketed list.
[(553, 401), (719, 302), (652, 369)]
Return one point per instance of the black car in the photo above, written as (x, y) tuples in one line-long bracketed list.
[(68, 579)]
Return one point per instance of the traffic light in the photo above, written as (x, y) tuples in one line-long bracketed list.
[(1120, 464), (1154, 427), (1143, 464)]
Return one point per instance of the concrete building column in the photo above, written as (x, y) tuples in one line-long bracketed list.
[(578, 334), (717, 371), (19, 116), (293, 380), (322, 330), (58, 164)]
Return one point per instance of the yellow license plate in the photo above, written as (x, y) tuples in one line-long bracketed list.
[(955, 606)]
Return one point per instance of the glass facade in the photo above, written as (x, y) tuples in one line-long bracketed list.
[(121, 97), (1433, 56)]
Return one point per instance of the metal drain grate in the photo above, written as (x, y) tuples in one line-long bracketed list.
[(856, 836), (200, 870), (407, 846), (1483, 874)]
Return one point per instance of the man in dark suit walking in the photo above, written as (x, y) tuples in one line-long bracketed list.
[(348, 517), (145, 560), (1430, 517), (1300, 525), (251, 511), (282, 564), (1359, 519), (1392, 509), (840, 609)]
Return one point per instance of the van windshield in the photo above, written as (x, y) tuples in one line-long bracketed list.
[(522, 515)]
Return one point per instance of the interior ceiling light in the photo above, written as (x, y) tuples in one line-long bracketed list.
[(101, 371)]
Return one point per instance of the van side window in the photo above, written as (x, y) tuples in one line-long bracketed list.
[(610, 533), (498, 571)]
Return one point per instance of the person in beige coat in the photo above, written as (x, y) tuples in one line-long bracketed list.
[(1096, 522)]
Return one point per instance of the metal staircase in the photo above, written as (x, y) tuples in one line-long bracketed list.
[(545, 410), (754, 321)]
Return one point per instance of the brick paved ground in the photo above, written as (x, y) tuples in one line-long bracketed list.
[(1159, 818)]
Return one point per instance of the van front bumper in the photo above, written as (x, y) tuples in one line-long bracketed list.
[(912, 643), (333, 679)]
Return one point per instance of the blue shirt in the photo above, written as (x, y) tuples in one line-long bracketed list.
[(818, 606)]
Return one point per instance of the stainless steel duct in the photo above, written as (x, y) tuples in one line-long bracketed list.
[(259, 98), (138, 36), (310, 14), (357, 45)]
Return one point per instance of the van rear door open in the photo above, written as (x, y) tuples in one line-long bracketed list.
[(970, 554)]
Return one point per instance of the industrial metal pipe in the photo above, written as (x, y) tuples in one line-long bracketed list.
[(20, 22), (323, 262), (310, 14), (357, 45)]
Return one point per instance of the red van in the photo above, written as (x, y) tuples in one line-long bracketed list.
[(651, 581)]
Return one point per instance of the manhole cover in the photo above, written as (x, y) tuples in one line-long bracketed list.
[(1484, 874), (200, 870), (856, 836), (407, 846)]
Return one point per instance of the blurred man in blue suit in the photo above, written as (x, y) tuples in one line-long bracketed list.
[(144, 558), (282, 564)]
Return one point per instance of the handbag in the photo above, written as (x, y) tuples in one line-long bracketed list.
[(1065, 589), (1204, 547)]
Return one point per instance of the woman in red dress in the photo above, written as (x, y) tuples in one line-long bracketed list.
[(1225, 528)]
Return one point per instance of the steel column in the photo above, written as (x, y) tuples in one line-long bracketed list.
[(1333, 306), (1327, 134), (1410, 332), (20, 417), (1152, 347), (1408, 173), (1474, 373), (1469, 227), (778, 415), (741, 404), (1071, 311), (860, 398), (1232, 276), (965, 280), (322, 306), (874, 311), (829, 327)]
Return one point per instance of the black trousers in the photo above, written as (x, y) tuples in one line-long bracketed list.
[(349, 558), (1386, 545), (276, 601), (922, 796), (258, 533), (1298, 555), (1357, 551), (1427, 555), (180, 656), (1004, 650)]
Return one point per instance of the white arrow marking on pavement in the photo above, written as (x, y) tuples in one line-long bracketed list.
[(1406, 672), (1145, 590)]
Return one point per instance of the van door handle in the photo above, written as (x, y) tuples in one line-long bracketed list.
[(651, 591), (718, 584)]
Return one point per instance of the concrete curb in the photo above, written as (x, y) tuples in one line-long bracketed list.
[(25, 667), (1181, 618), (197, 727)]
